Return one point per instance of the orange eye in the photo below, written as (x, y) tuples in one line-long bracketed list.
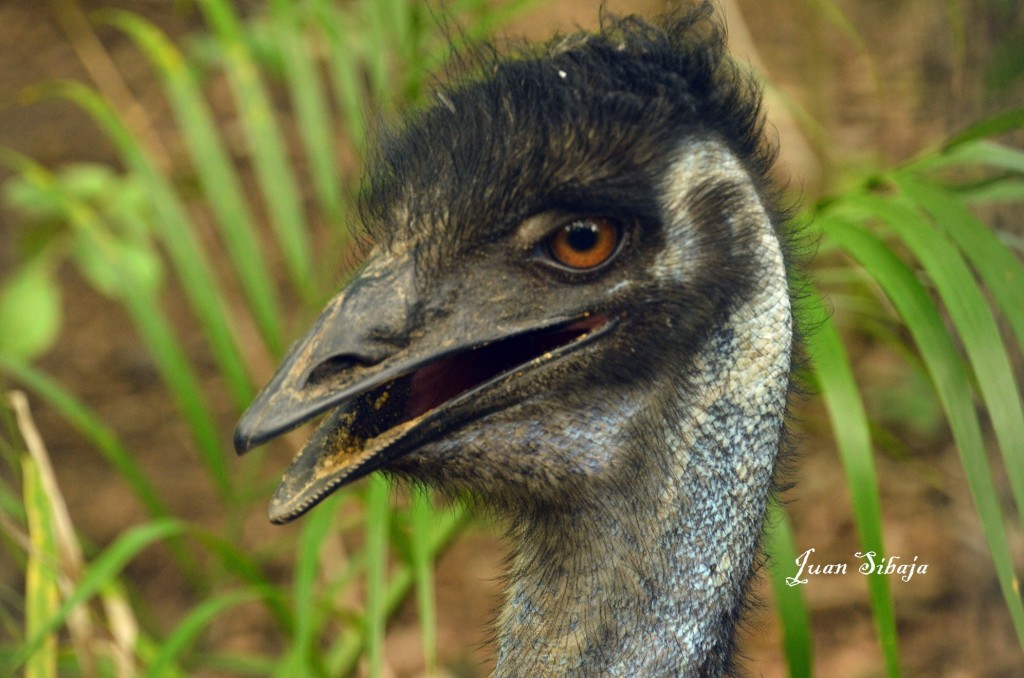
[(584, 244)]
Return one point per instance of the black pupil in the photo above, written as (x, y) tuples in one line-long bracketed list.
[(582, 236)]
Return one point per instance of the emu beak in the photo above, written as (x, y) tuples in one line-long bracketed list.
[(344, 355), (392, 383), (360, 327)]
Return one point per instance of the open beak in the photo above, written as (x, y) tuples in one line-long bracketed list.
[(389, 383)]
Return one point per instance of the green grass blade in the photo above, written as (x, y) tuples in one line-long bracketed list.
[(378, 521), (266, 145), (143, 306), (174, 367), (952, 384), (398, 15), (175, 230), (304, 657), (1007, 121), (311, 110), (343, 657), (1002, 190), (12, 508), (975, 324), (86, 422), (100, 573), (344, 60), (220, 183), (379, 44), (851, 432), (796, 623), (238, 562), (996, 265), (189, 629), (983, 152), (424, 521), (147, 649), (41, 592)]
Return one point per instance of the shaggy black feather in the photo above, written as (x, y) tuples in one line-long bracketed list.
[(586, 122)]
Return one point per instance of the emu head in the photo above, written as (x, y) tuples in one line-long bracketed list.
[(557, 242)]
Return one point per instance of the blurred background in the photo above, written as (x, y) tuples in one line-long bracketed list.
[(853, 87)]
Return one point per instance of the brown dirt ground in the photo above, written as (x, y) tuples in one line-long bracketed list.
[(952, 620)]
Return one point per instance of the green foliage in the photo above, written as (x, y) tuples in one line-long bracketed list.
[(126, 232), (966, 264), (29, 311), (905, 258)]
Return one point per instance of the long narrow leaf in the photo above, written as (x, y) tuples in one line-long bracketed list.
[(41, 593), (1001, 190), (266, 144), (377, 51), (220, 183), (1001, 271), (789, 600), (176, 371), (100, 573), (175, 229), (398, 15), (1007, 121), (89, 424), (311, 110), (849, 421), (983, 152), (191, 627), (86, 422), (952, 384), (344, 59), (424, 521), (973, 319), (343, 658), (378, 520), (142, 305), (304, 656)]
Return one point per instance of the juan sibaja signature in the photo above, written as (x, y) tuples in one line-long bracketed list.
[(871, 564)]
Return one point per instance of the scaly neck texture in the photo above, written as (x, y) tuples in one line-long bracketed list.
[(650, 579)]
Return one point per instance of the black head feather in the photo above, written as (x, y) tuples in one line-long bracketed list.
[(586, 122)]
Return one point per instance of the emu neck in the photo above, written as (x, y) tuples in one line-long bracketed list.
[(647, 576)]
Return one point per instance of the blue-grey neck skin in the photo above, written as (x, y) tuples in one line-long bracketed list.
[(647, 577)]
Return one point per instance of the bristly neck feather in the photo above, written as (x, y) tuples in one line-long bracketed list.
[(649, 579)]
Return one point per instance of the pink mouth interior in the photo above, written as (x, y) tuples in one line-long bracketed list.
[(427, 388), (447, 378)]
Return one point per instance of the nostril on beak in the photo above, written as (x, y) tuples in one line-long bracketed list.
[(335, 365)]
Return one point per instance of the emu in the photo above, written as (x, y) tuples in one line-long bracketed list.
[(576, 311)]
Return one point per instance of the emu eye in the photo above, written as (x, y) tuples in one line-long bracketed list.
[(584, 244)]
